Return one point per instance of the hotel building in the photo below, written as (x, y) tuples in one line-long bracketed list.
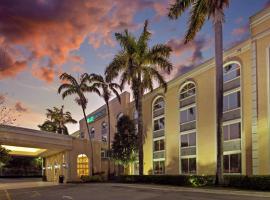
[(179, 125)]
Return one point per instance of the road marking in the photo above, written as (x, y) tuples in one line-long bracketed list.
[(7, 195), (67, 197)]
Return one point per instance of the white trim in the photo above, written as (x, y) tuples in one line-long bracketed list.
[(238, 89), (260, 20), (226, 111), (234, 121), (190, 156), (159, 159), (224, 82), (233, 152), (187, 107), (159, 138), (188, 131), (158, 117)]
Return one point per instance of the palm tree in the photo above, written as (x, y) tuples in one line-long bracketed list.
[(78, 88), (201, 10), (138, 66), (57, 120), (61, 118), (107, 89)]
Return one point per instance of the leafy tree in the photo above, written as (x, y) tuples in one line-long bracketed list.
[(57, 120), (78, 88), (107, 89), (4, 156), (125, 143), (138, 65), (201, 10), (8, 116)]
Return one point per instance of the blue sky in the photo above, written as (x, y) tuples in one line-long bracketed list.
[(79, 38)]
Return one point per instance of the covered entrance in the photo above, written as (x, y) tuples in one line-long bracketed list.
[(62, 155)]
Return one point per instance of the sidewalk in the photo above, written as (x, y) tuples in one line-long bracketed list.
[(249, 193), (20, 185)]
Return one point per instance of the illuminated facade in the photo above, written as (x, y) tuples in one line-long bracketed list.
[(179, 125)]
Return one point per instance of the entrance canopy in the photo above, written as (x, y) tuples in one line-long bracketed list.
[(29, 142)]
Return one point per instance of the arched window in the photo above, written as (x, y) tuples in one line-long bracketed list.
[(92, 132), (120, 115), (158, 135), (188, 128), (82, 165), (232, 117), (135, 114), (104, 131)]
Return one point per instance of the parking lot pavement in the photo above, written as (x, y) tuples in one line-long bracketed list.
[(123, 192)]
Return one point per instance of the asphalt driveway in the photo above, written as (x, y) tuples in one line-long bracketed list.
[(125, 192)]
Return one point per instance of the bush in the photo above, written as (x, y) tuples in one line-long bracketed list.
[(93, 179), (235, 181)]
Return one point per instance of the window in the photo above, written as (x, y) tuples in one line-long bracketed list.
[(159, 167), (232, 131), (232, 163), (82, 165), (104, 131), (135, 114), (231, 101), (231, 72), (159, 104), (187, 115), (187, 91), (159, 145), (104, 153), (92, 132), (188, 140), (188, 165), (159, 124), (120, 115)]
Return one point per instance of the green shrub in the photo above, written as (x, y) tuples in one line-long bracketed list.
[(235, 181), (93, 179)]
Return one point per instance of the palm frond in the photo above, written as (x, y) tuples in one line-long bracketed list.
[(64, 86), (69, 92), (68, 77), (178, 8), (198, 15)]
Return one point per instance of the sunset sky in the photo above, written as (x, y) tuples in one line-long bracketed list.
[(44, 38)]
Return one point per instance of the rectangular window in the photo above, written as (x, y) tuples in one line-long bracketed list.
[(188, 115), (188, 165), (159, 167), (188, 140), (159, 145), (232, 131), (159, 124), (232, 163), (231, 101), (104, 138)]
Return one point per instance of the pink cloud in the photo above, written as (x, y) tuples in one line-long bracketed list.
[(54, 28), (239, 20), (240, 31), (20, 108)]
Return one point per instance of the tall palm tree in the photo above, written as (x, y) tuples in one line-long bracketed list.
[(107, 89), (201, 10), (56, 121), (78, 88), (138, 66)]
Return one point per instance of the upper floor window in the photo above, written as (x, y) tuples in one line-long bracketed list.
[(120, 115), (231, 101), (232, 131), (159, 145), (188, 140), (82, 165), (159, 104), (231, 72), (135, 114), (159, 124), (92, 132), (187, 91), (188, 115)]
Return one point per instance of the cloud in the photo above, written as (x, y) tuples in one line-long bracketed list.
[(20, 108), (240, 30), (239, 20), (49, 30), (9, 67), (191, 53)]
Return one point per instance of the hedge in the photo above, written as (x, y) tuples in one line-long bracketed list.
[(235, 181)]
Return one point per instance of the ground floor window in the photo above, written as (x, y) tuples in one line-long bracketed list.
[(232, 163), (159, 167), (82, 165), (188, 165)]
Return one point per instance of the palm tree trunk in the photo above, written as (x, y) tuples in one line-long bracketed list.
[(109, 140), (140, 132), (219, 98), (91, 145)]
